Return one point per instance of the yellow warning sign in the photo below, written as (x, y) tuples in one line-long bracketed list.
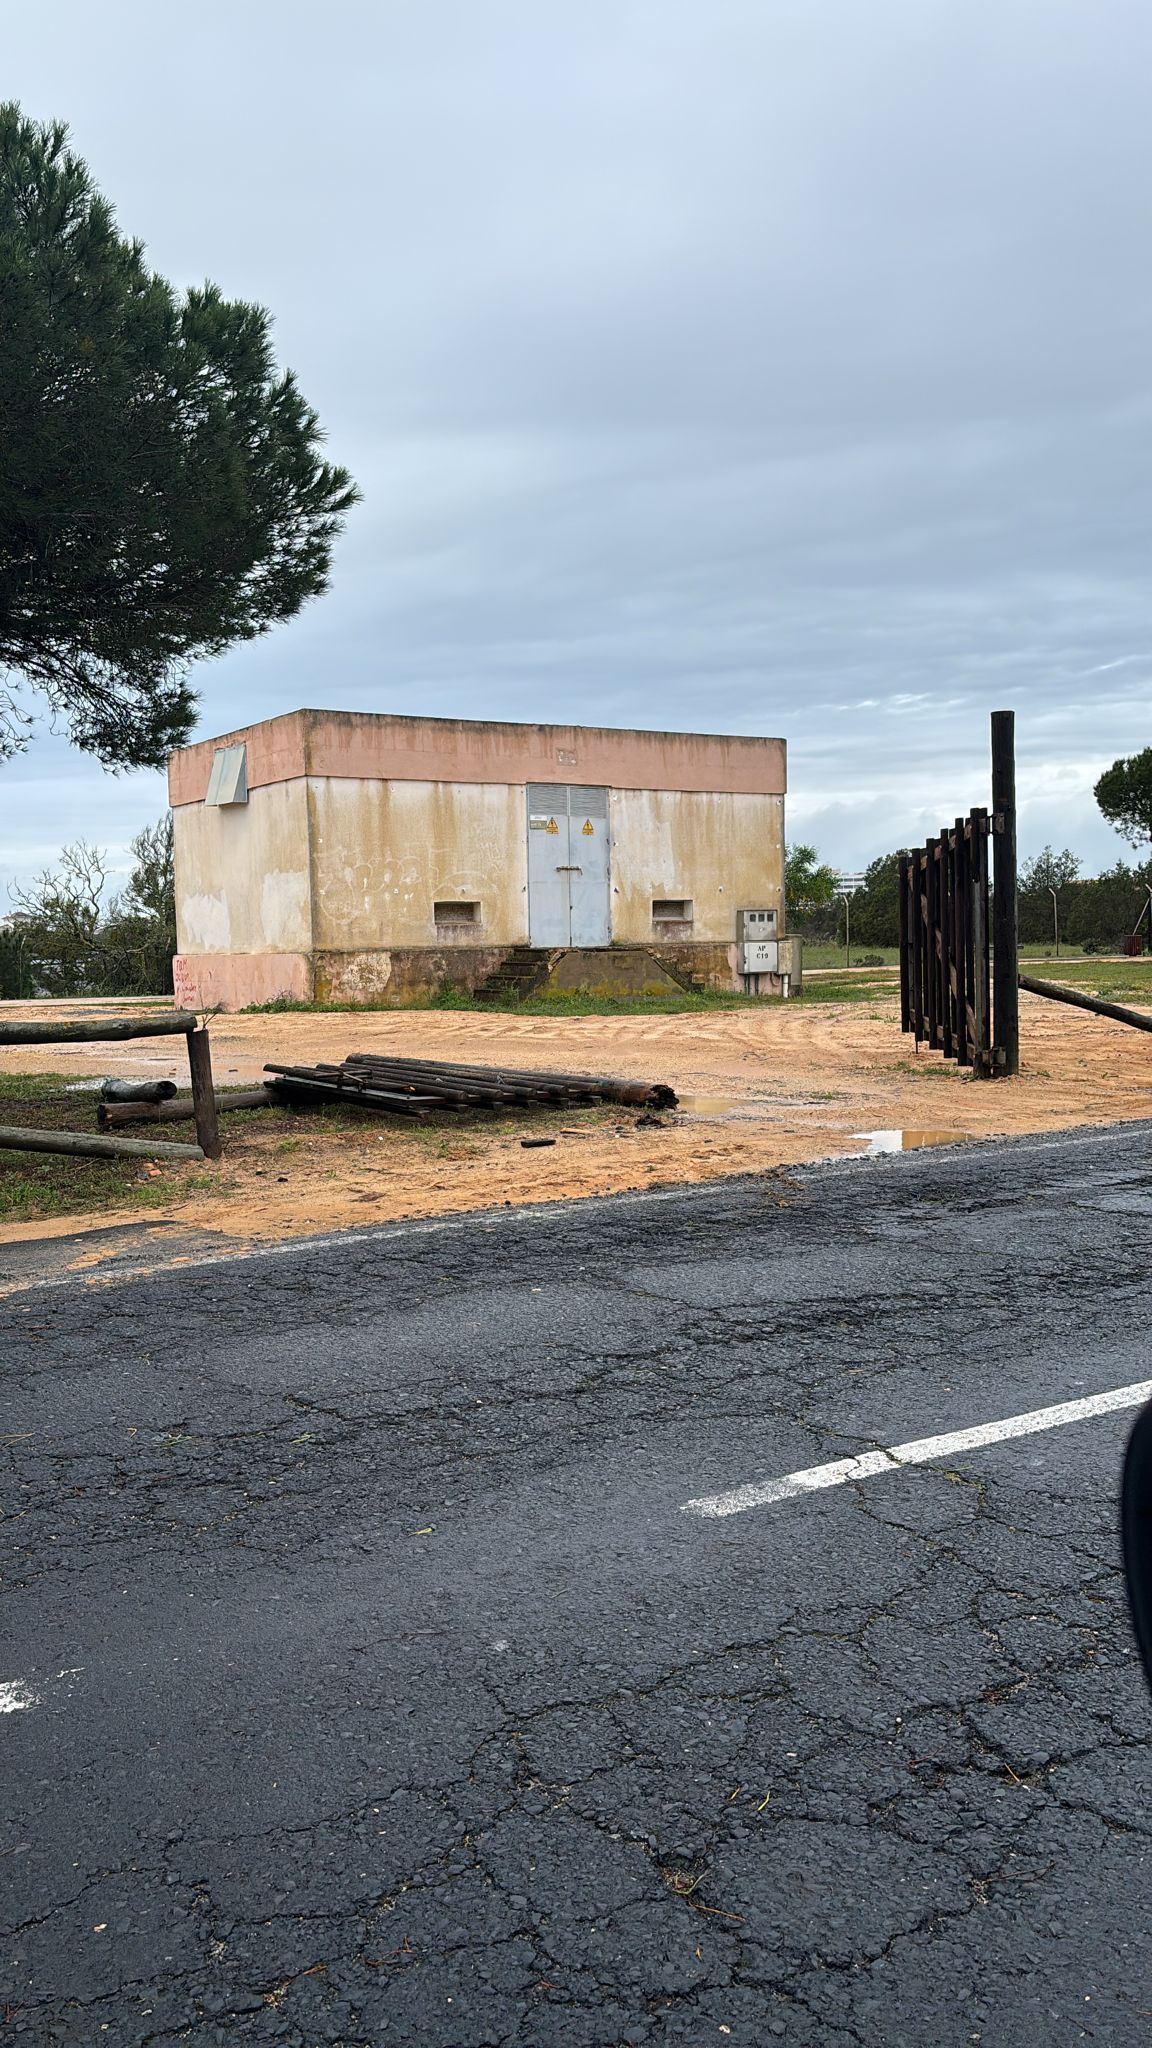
[(551, 826), (588, 828)]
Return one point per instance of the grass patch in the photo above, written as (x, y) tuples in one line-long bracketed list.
[(1114, 981), (834, 956), (34, 1185), (576, 1003), (858, 987), (549, 1003)]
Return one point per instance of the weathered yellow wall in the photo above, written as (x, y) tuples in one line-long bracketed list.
[(242, 874), (724, 852), (384, 852)]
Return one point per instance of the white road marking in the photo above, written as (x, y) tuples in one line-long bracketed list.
[(13, 1697), (767, 1493)]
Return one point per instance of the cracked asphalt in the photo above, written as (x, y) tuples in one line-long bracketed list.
[(368, 1684)]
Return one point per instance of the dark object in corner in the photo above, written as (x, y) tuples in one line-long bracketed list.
[(1136, 1532), (530, 1144)]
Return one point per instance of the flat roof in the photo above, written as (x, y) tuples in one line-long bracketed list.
[(387, 746)]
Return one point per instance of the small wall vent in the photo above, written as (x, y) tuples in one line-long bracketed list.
[(228, 782)]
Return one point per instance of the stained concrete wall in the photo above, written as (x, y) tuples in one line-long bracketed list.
[(721, 851), (383, 853), (242, 880), (351, 865)]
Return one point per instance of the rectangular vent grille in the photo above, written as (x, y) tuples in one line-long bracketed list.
[(560, 799), (587, 802), (547, 799)]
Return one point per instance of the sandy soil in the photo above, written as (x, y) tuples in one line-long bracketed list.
[(759, 1088)]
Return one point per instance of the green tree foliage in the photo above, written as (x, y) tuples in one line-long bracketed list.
[(70, 942), (808, 884), (1048, 870), (15, 972), (162, 494), (1124, 794), (1098, 912), (875, 908), (1036, 880), (1095, 912)]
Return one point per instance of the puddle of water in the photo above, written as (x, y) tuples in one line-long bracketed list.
[(708, 1105), (879, 1142)]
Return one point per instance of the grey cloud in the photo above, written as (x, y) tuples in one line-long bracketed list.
[(778, 367)]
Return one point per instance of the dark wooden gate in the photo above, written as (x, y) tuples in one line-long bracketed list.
[(945, 956), (950, 970)]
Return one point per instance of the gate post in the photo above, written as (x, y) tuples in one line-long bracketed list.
[(906, 942), (1006, 965)]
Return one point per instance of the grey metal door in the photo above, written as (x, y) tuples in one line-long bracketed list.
[(549, 915), (588, 866), (568, 885)]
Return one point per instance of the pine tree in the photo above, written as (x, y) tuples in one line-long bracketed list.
[(162, 494)]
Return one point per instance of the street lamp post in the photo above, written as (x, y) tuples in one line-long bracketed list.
[(1055, 918)]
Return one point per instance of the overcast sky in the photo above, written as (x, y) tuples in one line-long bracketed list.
[(764, 366)]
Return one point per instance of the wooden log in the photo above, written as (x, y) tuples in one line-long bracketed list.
[(85, 1145), (1005, 940), (302, 1094), (112, 1116), (638, 1094), (203, 1094), (97, 1029), (1056, 994)]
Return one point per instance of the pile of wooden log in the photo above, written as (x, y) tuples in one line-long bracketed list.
[(416, 1089), (421, 1088)]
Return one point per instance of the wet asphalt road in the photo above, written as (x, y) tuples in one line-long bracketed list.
[(368, 1683)]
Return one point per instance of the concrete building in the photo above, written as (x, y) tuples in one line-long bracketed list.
[(343, 855)]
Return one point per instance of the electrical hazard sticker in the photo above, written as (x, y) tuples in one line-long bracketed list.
[(551, 826), (588, 828)]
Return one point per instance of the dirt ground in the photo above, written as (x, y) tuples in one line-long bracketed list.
[(759, 1089)]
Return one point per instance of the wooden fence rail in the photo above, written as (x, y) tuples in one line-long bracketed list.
[(98, 1029)]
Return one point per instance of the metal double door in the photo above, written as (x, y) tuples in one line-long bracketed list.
[(568, 874)]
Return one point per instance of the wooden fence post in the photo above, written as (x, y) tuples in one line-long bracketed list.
[(203, 1093), (905, 946), (920, 960), (1006, 963), (981, 1022)]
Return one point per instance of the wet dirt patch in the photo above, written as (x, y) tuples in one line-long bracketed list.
[(759, 1088)]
